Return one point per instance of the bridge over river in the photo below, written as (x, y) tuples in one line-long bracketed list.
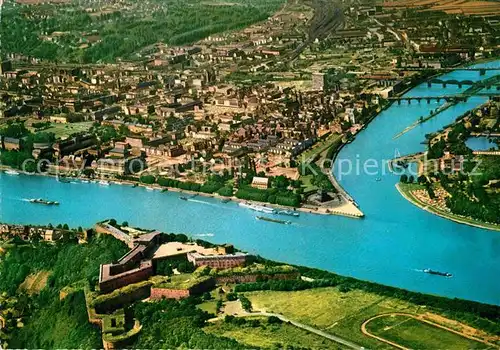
[(475, 89)]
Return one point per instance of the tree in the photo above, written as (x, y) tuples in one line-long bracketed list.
[(403, 178), (231, 296), (273, 320)]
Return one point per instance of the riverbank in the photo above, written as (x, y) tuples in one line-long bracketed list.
[(405, 191), (350, 207)]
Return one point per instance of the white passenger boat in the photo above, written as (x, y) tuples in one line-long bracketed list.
[(103, 183), (258, 208), (11, 172)]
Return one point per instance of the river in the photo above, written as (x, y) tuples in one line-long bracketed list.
[(391, 245)]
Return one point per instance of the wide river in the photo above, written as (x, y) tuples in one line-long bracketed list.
[(391, 245)]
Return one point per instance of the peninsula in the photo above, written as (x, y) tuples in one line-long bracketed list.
[(206, 295)]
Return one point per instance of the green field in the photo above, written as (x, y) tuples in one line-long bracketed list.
[(332, 311), (65, 130), (412, 333), (325, 305), (270, 335), (209, 306)]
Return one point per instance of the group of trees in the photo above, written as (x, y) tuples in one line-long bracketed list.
[(319, 179), (474, 195), (121, 33), (173, 324), (47, 317), (271, 195), (166, 267)]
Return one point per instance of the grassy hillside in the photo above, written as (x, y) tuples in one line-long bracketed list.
[(47, 321)]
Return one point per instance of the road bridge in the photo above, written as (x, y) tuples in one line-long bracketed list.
[(482, 71), (447, 98)]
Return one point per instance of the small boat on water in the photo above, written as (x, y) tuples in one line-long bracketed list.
[(150, 189), (103, 183), (43, 201), (11, 172), (63, 180), (288, 212), (84, 181), (183, 198), (438, 273), (225, 200), (277, 221), (258, 208), (378, 179)]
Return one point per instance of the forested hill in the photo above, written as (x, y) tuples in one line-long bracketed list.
[(102, 31)]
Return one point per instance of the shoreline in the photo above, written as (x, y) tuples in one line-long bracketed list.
[(450, 216)]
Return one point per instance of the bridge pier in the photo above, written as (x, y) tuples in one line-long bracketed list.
[(444, 85), (482, 71), (429, 84), (399, 102), (409, 101), (428, 101), (459, 85)]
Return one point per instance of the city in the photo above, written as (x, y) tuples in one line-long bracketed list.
[(284, 174)]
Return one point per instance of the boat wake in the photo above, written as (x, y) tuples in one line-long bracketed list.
[(205, 235), (207, 203)]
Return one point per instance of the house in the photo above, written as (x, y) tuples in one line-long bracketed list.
[(451, 163), (261, 183), (11, 144), (225, 261)]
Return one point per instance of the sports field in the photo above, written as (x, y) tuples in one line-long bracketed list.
[(415, 334)]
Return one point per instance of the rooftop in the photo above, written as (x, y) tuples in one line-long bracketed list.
[(176, 248)]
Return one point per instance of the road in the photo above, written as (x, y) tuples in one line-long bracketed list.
[(319, 332)]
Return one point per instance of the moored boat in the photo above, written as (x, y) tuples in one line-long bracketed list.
[(258, 208), (225, 200), (183, 198), (103, 183), (11, 172), (288, 212), (63, 180)]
